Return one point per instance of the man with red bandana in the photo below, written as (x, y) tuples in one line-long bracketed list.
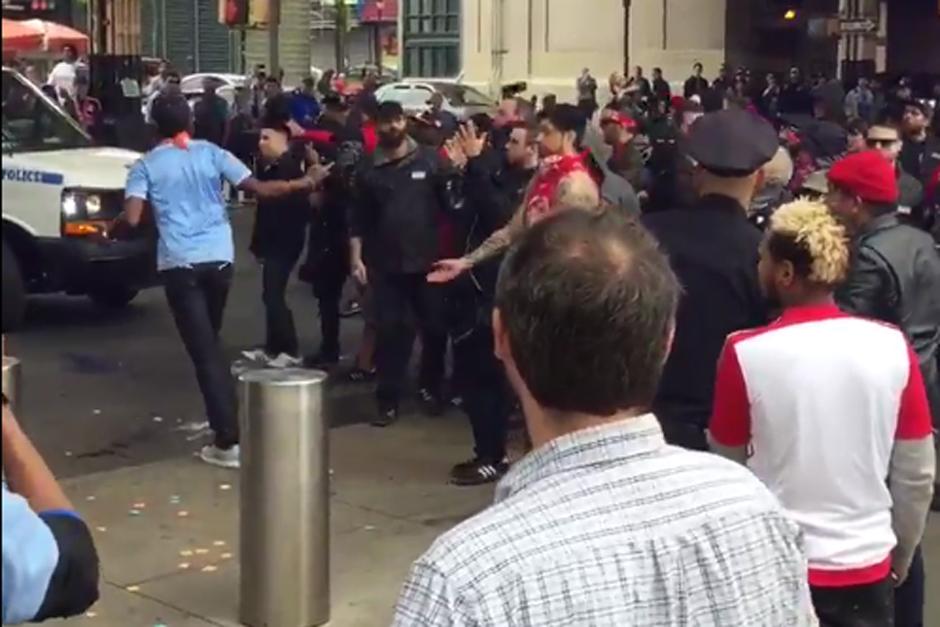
[(562, 181)]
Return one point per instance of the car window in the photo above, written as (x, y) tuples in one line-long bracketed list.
[(32, 122), (463, 95), (192, 83), (407, 95)]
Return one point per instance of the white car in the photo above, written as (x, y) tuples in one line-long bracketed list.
[(461, 100), (60, 197)]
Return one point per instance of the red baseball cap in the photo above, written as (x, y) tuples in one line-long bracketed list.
[(866, 174), (621, 119)]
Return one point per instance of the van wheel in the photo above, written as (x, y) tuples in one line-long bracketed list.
[(113, 297), (14, 291)]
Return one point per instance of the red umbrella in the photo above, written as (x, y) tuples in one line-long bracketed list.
[(18, 36), (56, 36)]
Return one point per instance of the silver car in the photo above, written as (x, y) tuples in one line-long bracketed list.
[(461, 100)]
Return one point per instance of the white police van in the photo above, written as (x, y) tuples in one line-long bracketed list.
[(60, 196)]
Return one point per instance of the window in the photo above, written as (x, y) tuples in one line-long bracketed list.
[(33, 123), (431, 37)]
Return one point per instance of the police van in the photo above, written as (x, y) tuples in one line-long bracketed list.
[(60, 197)]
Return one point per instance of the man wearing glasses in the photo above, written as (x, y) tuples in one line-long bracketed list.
[(887, 141)]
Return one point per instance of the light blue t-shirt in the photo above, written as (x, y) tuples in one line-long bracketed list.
[(30, 556), (184, 187)]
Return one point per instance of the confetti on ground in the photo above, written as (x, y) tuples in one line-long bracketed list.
[(219, 543), (202, 551), (184, 565), (210, 568), (140, 505), (91, 614), (369, 528), (96, 412), (226, 556), (175, 499), (225, 487), (186, 553), (159, 625), (182, 513), (133, 588), (134, 512), (90, 498), (101, 529), (158, 418), (68, 453)]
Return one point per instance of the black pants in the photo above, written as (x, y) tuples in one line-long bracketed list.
[(909, 596), (281, 335), (197, 298), (328, 290), (870, 605), (399, 300), (485, 392)]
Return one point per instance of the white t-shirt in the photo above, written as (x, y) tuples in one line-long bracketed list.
[(62, 77)]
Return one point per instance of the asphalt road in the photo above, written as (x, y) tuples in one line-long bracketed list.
[(105, 389)]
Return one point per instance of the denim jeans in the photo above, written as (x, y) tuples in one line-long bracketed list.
[(197, 297), (870, 605), (281, 334)]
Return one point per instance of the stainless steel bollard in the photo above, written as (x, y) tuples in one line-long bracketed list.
[(285, 497), (12, 383)]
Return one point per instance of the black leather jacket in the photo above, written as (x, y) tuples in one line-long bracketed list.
[(895, 277)]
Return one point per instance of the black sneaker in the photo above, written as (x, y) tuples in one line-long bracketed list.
[(352, 308), (386, 417), (321, 361), (431, 404), (478, 472), (358, 375)]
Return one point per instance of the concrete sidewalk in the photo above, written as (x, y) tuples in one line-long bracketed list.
[(168, 532)]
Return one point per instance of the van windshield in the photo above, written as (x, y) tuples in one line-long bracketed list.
[(33, 123)]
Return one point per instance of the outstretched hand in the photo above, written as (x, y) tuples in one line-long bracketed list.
[(446, 270)]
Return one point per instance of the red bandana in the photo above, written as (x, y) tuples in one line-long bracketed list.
[(552, 172)]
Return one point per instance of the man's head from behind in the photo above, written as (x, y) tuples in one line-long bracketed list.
[(804, 255), (584, 317), (862, 187), (171, 115)]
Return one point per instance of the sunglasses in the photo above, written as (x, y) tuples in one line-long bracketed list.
[(881, 143)]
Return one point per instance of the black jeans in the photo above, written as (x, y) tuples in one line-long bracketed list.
[(870, 605), (909, 596), (328, 290), (281, 336), (197, 298), (485, 392), (398, 300)]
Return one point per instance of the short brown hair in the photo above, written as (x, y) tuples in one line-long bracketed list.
[(588, 302)]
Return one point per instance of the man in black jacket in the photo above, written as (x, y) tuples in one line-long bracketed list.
[(402, 190), (894, 277), (493, 188), (714, 251)]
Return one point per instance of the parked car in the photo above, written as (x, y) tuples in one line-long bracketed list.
[(461, 100)]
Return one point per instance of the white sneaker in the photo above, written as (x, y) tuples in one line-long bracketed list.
[(256, 354), (215, 456), (285, 361)]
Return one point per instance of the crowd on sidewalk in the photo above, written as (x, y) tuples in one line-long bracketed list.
[(657, 284)]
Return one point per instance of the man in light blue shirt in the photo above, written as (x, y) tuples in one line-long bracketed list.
[(182, 180), (50, 566)]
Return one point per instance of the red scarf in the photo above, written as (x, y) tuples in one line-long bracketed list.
[(552, 171)]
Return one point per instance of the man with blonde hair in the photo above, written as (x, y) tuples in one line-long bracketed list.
[(833, 410)]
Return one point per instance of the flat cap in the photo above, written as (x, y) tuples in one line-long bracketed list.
[(732, 142)]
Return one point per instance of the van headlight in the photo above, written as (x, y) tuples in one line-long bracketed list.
[(78, 205)]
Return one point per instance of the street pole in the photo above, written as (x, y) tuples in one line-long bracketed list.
[(626, 38), (274, 38), (342, 24), (380, 6)]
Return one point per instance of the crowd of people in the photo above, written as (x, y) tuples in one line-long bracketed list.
[(738, 272)]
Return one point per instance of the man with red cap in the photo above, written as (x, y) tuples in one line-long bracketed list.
[(619, 132), (894, 277)]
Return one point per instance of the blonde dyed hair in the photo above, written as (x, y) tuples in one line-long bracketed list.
[(814, 229)]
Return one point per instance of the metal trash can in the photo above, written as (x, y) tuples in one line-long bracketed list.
[(12, 382), (285, 531)]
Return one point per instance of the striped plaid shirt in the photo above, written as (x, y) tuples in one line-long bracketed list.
[(610, 526)]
